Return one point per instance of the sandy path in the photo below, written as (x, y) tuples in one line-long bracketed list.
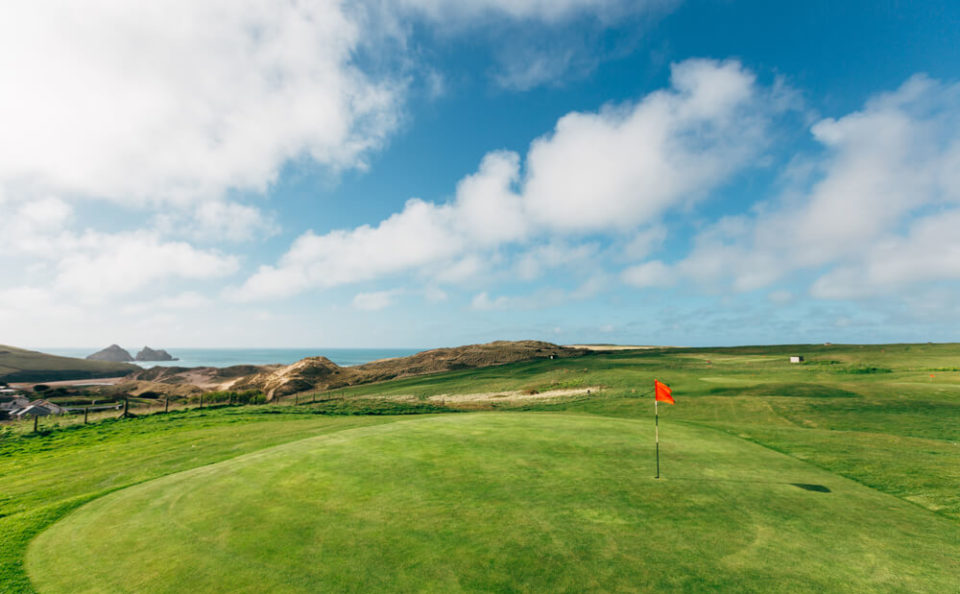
[(100, 381), (503, 396), (613, 347)]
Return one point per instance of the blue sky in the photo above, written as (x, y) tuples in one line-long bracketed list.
[(418, 173)]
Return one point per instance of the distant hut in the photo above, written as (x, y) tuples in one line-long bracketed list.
[(38, 408), (796, 359)]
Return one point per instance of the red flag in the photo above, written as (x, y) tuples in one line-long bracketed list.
[(662, 392)]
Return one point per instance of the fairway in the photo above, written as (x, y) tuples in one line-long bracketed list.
[(500, 502)]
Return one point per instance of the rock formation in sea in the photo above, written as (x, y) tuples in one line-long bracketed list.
[(148, 354), (112, 353)]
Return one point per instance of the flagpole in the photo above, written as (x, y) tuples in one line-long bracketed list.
[(656, 430)]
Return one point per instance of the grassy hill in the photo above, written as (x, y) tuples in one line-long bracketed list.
[(838, 474), (21, 365)]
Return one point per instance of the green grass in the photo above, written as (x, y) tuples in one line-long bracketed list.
[(43, 477), (492, 502), (537, 496)]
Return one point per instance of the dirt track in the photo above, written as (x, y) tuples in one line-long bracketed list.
[(100, 381)]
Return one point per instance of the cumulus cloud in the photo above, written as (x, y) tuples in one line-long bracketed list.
[(483, 302), (618, 169), (649, 274), (420, 235), (543, 10), (187, 300), (627, 164), (374, 301), (864, 214), (180, 100), (536, 260), (95, 266), (110, 265), (186, 99), (218, 221), (929, 251), (19, 301), (541, 299)]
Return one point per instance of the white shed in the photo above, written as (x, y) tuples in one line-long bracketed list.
[(796, 359)]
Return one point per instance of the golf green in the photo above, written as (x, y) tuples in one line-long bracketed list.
[(500, 502)]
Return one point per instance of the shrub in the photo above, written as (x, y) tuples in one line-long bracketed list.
[(863, 369), (226, 396)]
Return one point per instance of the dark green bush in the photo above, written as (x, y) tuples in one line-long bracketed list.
[(229, 396), (864, 369)]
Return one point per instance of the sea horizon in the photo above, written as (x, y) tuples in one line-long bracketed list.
[(226, 357)]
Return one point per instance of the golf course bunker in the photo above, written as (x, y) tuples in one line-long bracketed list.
[(498, 501)]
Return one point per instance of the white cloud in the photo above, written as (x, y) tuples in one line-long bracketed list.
[(488, 208), (543, 10), (180, 100), (930, 251), (374, 301), (535, 261), (649, 274), (541, 299), (534, 69), (190, 98), (420, 235), (483, 302), (643, 242), (18, 302), (864, 216), (107, 266), (435, 295), (43, 214), (95, 266), (188, 300), (626, 165), (614, 170), (218, 221)]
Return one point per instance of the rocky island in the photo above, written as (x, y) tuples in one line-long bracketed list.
[(112, 353), (148, 354), (117, 354)]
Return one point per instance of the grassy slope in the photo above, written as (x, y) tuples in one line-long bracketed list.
[(493, 502), (44, 477), (19, 365), (896, 432)]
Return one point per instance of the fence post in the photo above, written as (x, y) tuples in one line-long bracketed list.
[(201, 401), (86, 409), (36, 418), (166, 404), (126, 406)]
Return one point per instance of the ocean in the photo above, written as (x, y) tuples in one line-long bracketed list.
[(228, 357)]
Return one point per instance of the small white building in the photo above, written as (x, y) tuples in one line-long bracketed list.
[(796, 359), (37, 408)]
